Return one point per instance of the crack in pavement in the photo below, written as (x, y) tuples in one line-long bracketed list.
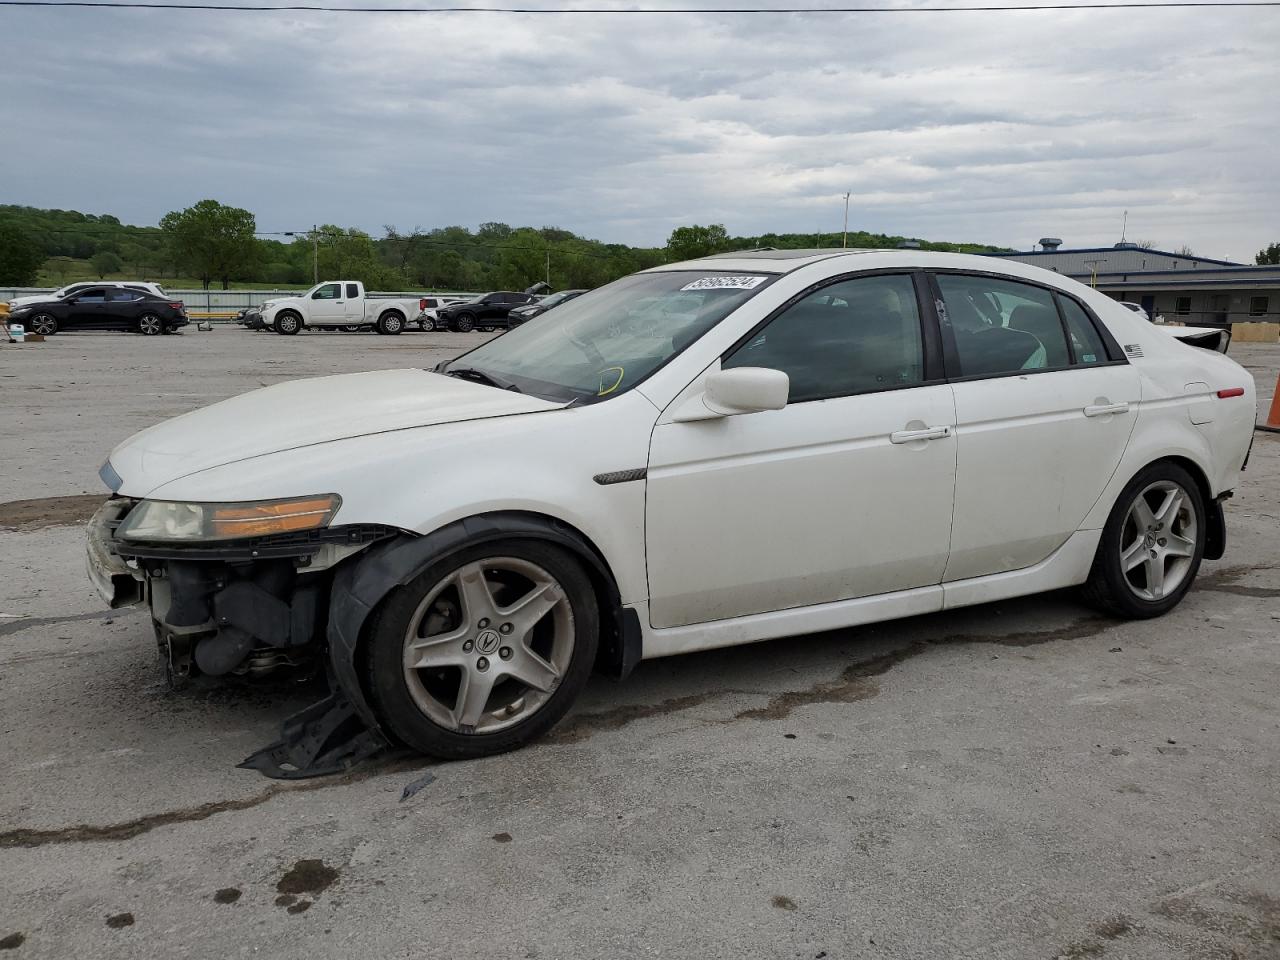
[(10, 627), (1224, 581), (22, 515), (856, 681), (128, 829)]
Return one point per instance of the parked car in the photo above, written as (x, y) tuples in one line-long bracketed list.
[(103, 308), (73, 288), (947, 429), (1141, 311), (428, 318), (519, 315), (339, 304), (484, 313)]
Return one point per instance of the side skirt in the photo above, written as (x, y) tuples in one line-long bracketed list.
[(1065, 567)]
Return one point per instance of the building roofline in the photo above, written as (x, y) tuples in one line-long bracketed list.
[(1161, 253)]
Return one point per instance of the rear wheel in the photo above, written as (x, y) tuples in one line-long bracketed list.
[(287, 323), (390, 323), (485, 650), (1151, 546), (44, 324), (149, 325)]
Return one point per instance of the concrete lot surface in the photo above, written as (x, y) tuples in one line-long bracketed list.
[(1025, 779)]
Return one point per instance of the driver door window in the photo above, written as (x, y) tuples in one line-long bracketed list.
[(330, 291), (856, 336)]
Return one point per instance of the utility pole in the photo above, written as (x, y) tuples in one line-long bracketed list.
[(844, 243), (548, 268), (315, 256), (1124, 226), (1093, 271)]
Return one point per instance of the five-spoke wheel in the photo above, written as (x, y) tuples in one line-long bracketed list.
[(485, 650), (1151, 545)]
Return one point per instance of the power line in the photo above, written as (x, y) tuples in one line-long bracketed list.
[(633, 11)]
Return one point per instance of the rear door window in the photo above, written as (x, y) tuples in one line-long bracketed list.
[(352, 291), (1086, 344), (1002, 326)]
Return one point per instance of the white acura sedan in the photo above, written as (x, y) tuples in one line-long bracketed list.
[(708, 453)]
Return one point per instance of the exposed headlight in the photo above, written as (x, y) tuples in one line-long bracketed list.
[(166, 520)]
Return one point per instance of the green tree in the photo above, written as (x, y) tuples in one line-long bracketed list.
[(1268, 256), (104, 262), (20, 256), (689, 243), (213, 241)]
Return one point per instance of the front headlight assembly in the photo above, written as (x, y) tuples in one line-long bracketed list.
[(200, 522)]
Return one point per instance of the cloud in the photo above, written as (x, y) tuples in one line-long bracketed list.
[(991, 127)]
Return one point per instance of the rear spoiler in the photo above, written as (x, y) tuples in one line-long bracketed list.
[(1208, 338)]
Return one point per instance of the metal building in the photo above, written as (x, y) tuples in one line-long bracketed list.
[(1186, 288)]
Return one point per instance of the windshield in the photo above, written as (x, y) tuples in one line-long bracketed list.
[(606, 341)]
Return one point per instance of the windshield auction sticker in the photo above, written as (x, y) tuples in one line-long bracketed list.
[(725, 283)]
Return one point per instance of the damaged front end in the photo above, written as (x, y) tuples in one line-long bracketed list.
[(242, 606)]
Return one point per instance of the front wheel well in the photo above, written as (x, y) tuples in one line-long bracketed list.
[(365, 584)]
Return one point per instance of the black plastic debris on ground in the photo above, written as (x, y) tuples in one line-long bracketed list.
[(325, 738), (413, 786)]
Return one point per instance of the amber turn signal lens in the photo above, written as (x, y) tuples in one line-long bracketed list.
[(280, 516)]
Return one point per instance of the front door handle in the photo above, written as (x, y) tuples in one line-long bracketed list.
[(927, 433), (1102, 409)]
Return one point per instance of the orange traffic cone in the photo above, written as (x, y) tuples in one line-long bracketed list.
[(1273, 418)]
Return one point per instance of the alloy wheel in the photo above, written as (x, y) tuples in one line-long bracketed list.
[(488, 645), (150, 325), (44, 325), (1158, 540)]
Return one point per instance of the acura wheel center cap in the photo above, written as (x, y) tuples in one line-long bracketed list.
[(488, 641)]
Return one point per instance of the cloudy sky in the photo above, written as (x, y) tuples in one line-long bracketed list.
[(991, 127)]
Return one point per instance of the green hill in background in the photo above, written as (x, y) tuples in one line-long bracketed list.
[(79, 246)]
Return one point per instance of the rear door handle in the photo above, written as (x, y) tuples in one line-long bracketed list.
[(1102, 409), (928, 433)]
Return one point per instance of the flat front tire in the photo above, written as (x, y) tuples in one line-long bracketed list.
[(1151, 546), (483, 651)]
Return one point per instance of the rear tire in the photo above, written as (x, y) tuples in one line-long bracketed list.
[(149, 325), (1151, 546), (463, 614), (390, 323)]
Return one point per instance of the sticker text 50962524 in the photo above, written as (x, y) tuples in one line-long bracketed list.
[(725, 283)]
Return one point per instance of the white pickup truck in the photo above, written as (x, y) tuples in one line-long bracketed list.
[(339, 303)]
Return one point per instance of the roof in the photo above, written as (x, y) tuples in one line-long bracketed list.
[(1112, 249)]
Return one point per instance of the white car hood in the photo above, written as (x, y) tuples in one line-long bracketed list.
[(301, 413)]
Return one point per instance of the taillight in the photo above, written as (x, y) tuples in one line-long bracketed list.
[(422, 303), (1232, 392)]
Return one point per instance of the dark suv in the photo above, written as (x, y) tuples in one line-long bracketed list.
[(484, 313), (103, 308)]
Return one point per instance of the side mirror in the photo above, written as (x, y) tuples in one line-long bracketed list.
[(737, 391)]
